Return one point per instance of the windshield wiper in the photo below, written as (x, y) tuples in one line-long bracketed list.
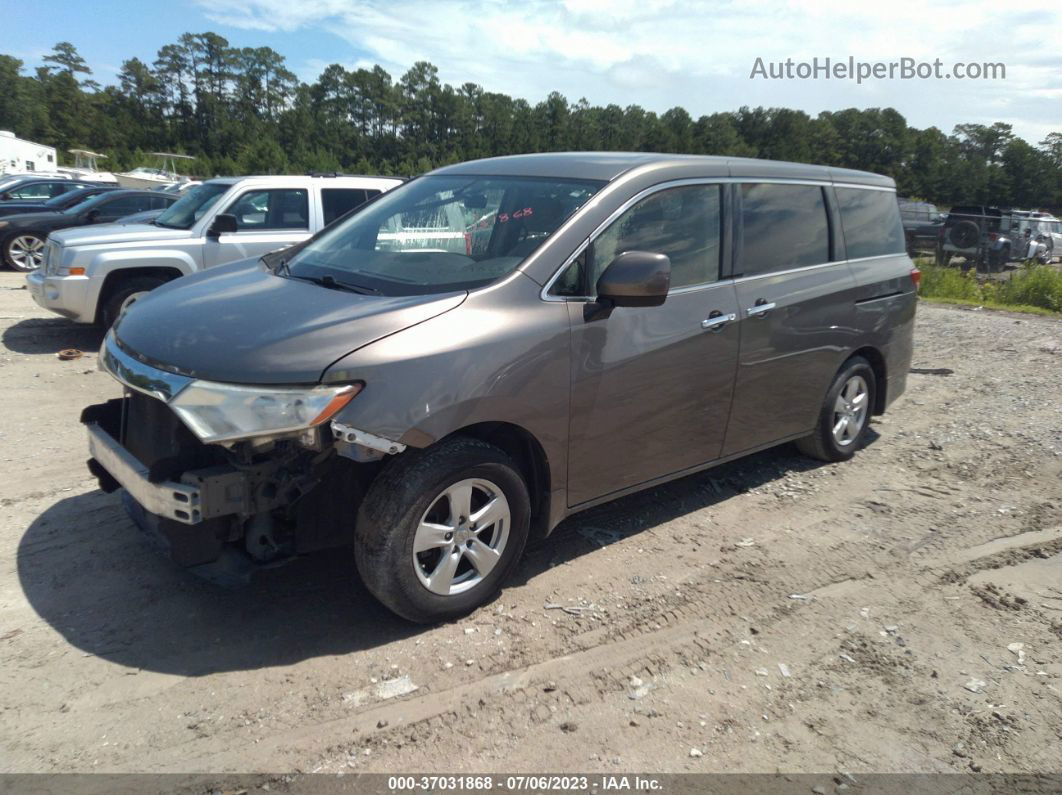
[(331, 282)]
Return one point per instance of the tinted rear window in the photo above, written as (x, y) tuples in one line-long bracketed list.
[(784, 226), (871, 222), (338, 201)]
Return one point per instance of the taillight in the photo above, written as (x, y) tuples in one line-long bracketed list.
[(916, 277)]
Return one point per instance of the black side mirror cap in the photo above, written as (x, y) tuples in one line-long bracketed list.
[(93, 215), (223, 224)]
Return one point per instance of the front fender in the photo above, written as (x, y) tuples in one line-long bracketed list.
[(107, 261), (502, 356)]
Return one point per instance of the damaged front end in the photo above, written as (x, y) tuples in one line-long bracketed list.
[(227, 478)]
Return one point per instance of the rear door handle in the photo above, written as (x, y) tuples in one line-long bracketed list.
[(717, 320), (759, 309)]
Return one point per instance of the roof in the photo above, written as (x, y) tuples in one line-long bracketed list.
[(303, 179), (607, 166)]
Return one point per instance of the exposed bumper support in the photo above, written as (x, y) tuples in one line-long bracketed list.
[(361, 445), (201, 494)]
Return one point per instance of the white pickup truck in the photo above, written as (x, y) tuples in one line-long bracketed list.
[(90, 275)]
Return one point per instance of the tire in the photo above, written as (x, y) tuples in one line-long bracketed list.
[(964, 234), (123, 291), (823, 443), (23, 251), (411, 493)]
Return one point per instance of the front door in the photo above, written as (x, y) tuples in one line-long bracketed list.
[(651, 386), (266, 220)]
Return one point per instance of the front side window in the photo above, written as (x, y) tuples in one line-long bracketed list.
[(440, 233), (871, 225), (784, 226), (280, 208), (684, 223), (188, 209)]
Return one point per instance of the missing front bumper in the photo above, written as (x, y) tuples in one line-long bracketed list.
[(189, 498)]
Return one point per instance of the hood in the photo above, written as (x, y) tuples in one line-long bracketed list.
[(36, 219), (240, 323), (12, 207), (110, 234)]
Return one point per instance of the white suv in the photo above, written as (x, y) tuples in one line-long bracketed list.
[(91, 275)]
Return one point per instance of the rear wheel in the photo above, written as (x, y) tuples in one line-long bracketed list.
[(125, 294), (440, 530), (845, 414), (24, 252)]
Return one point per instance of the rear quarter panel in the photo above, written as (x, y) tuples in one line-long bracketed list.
[(885, 312)]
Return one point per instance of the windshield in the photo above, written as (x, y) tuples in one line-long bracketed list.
[(188, 209), (441, 233)]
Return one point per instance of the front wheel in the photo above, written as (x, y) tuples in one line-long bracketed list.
[(845, 415), (24, 252), (125, 295), (440, 529)]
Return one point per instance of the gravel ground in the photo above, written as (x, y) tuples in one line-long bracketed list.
[(902, 611)]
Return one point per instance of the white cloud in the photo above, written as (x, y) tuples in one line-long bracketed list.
[(661, 53)]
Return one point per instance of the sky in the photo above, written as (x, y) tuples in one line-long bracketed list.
[(653, 53)]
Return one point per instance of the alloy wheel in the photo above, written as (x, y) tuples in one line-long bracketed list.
[(26, 252), (461, 537), (850, 410)]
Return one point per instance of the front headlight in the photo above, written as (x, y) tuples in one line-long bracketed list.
[(225, 412)]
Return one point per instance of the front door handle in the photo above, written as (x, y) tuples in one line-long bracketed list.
[(717, 319), (760, 308)]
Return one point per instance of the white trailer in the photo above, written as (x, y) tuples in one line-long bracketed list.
[(25, 157)]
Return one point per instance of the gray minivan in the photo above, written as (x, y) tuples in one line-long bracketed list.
[(487, 349)]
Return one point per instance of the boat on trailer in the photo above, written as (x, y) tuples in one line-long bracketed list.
[(149, 178), (85, 167)]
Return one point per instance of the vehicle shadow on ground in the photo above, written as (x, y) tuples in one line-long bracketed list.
[(91, 575), (51, 335)]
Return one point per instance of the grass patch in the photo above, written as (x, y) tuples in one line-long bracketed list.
[(1033, 288)]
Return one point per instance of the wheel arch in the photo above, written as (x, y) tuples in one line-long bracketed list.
[(114, 279), (877, 363), (529, 455)]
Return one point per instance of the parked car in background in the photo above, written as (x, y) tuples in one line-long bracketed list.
[(90, 275), (145, 217), (968, 232), (59, 203), (1031, 235), (431, 400), (22, 236), (922, 223), (26, 188)]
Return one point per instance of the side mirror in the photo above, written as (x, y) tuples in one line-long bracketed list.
[(635, 278), (93, 215), (223, 224)]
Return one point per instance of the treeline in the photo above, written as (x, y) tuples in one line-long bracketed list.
[(241, 111)]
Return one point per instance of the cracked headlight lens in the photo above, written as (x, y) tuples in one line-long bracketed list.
[(226, 412)]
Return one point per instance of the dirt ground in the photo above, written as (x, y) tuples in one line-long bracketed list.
[(902, 611)]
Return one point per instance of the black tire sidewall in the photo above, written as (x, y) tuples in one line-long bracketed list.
[(389, 515), (110, 310), (855, 366)]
